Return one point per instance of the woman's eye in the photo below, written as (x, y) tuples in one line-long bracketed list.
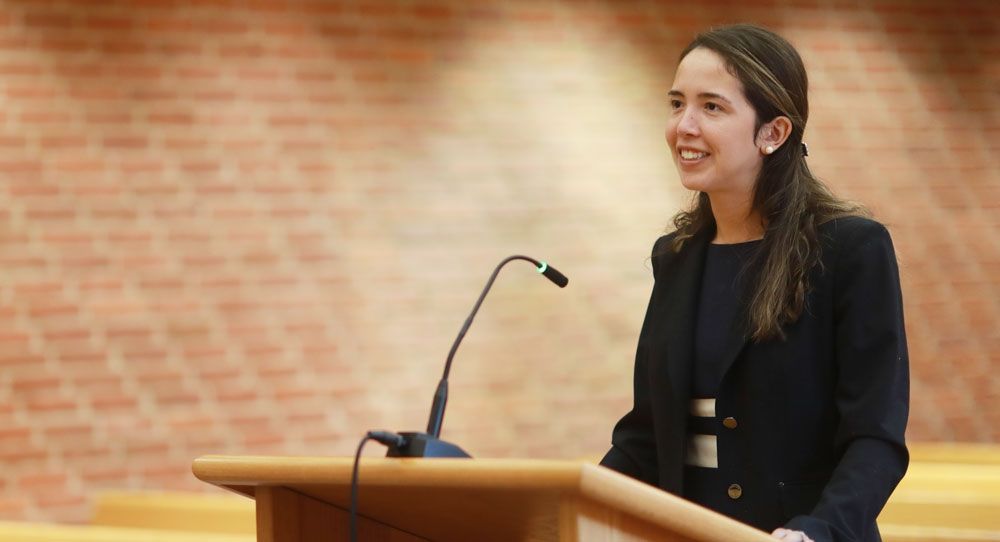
[(712, 106), (675, 104)]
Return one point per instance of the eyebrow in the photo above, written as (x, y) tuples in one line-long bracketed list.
[(709, 95)]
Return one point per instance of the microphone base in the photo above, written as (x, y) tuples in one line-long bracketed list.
[(425, 445)]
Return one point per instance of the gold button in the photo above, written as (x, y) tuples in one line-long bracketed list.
[(730, 423), (735, 491)]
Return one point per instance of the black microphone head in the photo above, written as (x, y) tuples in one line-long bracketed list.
[(553, 274)]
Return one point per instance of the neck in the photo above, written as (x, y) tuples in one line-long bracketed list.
[(735, 219)]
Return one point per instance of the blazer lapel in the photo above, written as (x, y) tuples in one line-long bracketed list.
[(736, 340), (682, 289)]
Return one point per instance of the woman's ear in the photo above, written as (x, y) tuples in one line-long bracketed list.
[(773, 134)]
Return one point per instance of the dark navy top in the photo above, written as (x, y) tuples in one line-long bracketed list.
[(719, 305)]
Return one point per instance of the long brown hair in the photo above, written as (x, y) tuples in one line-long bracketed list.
[(789, 198)]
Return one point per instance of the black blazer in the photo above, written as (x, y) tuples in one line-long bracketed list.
[(819, 444)]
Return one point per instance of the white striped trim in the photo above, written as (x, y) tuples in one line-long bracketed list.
[(703, 408), (703, 451)]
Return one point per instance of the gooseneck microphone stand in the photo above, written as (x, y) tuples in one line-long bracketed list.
[(429, 444)]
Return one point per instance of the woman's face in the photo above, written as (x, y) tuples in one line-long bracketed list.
[(711, 127)]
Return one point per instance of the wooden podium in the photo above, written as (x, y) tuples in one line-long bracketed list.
[(462, 500)]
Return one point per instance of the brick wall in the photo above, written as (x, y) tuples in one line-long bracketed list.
[(254, 227)]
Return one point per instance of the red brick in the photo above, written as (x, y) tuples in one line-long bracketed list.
[(14, 508), (12, 142), (264, 438), (340, 30), (142, 73), (248, 50), (97, 189), (76, 433), (27, 360), (201, 167), (377, 9), (289, 120), (178, 49), (14, 435), (132, 142), (78, 70), (22, 166), (95, 94), (54, 215), (42, 480), (45, 117), (284, 28), (13, 43), (106, 475), (51, 404), (60, 499), (32, 93), (23, 457), (44, 383), (59, 21), (20, 69), (147, 166), (171, 118), (110, 23), (110, 118), (32, 188), (317, 75), (123, 48)]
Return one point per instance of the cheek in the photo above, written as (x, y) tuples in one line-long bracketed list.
[(670, 133)]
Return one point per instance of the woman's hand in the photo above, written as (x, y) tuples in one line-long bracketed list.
[(787, 535)]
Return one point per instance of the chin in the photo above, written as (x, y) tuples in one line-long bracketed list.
[(694, 183)]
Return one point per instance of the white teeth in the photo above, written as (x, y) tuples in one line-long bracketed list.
[(692, 155)]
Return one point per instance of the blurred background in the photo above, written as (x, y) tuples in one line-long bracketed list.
[(254, 227)]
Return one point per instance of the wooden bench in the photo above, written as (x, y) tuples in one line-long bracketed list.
[(939, 501), (208, 513), (955, 452), (13, 531)]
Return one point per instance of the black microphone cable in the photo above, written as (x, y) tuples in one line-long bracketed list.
[(387, 438)]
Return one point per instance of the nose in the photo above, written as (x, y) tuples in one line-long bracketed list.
[(688, 123)]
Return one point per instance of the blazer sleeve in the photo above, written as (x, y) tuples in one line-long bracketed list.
[(872, 390), (633, 445)]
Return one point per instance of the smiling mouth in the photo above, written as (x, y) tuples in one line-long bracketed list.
[(692, 155)]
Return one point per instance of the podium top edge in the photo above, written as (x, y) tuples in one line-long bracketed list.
[(269, 470)]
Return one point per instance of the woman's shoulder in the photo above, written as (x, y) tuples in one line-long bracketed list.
[(855, 243), (664, 244), (664, 251), (851, 230), (669, 246)]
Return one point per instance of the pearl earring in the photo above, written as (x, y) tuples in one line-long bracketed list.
[(768, 149)]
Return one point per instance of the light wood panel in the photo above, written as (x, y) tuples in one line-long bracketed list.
[(11, 531), (946, 495), (954, 452), (283, 514), (175, 511), (903, 533)]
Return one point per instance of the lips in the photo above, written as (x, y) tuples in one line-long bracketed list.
[(688, 154)]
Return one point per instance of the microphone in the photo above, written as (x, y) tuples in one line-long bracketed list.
[(429, 444), (552, 274)]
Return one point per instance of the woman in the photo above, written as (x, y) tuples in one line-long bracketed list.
[(771, 375)]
